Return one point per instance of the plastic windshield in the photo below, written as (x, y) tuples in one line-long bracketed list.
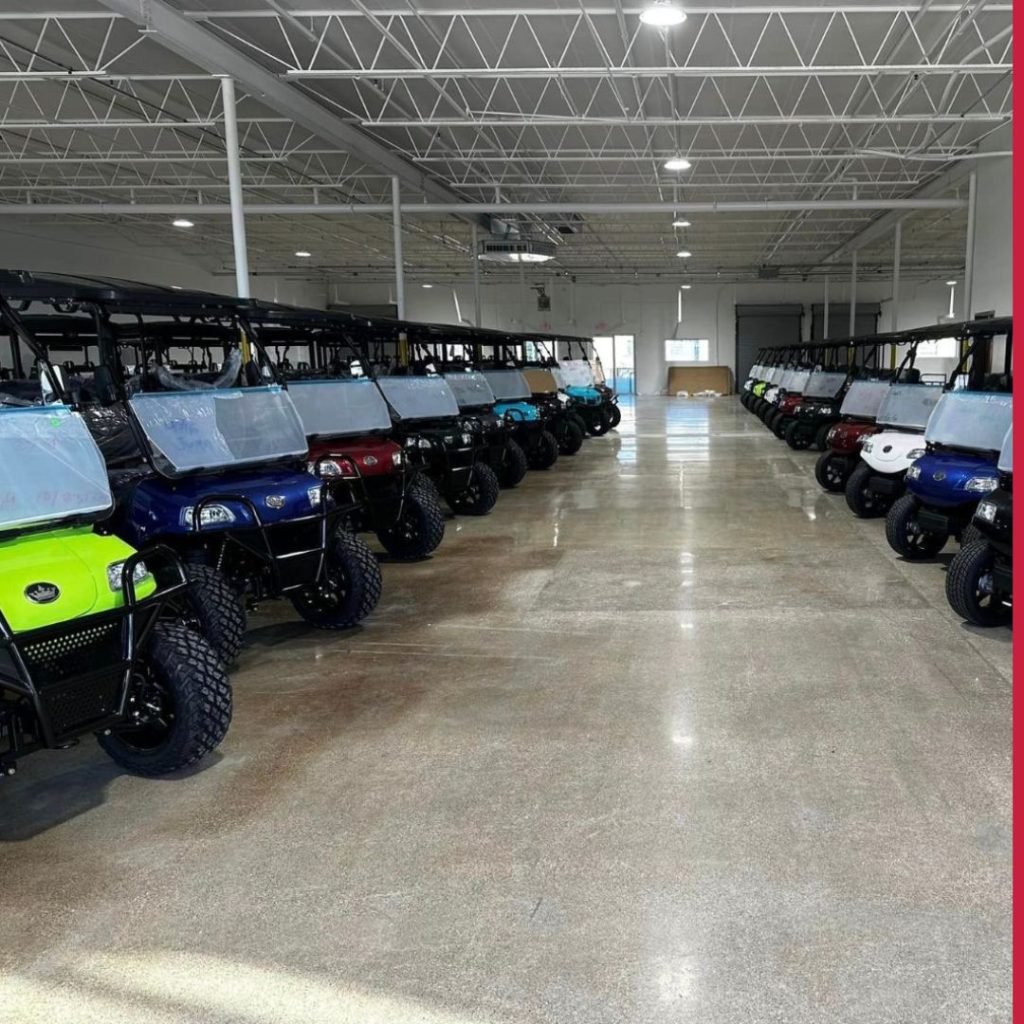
[(577, 373), (795, 380), (865, 397), (908, 405), (419, 398), (824, 384), (50, 468), (334, 407), (508, 385), (775, 374), (198, 430), (540, 381), (597, 370), (470, 389), (1006, 453), (559, 376), (977, 420), (755, 372)]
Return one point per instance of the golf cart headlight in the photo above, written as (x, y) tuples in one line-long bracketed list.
[(914, 473), (981, 484), (326, 468), (115, 574), (411, 442), (866, 444), (987, 511), (467, 439), (917, 453), (315, 495), (424, 442), (397, 459), (212, 515), (470, 426)]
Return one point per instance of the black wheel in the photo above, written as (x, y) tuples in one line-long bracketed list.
[(599, 422), (179, 705), (905, 535), (863, 502), (779, 425), (831, 471), (214, 608), (797, 437), (969, 586), (513, 465), (821, 437), (614, 415), (349, 588), (569, 443), (970, 534), (480, 495), (419, 530), (424, 485), (580, 421)]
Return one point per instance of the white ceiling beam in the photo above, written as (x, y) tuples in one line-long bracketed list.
[(196, 44), (493, 120)]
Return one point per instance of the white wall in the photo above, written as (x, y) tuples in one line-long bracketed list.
[(993, 240)]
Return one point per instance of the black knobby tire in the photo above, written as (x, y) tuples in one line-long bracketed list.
[(599, 422), (580, 421), (831, 471), (349, 589), (426, 486), (797, 436), (513, 465), (179, 674), (970, 534), (570, 442), (904, 534), (420, 527), (779, 425), (863, 502), (480, 495), (968, 586), (614, 415), (214, 608)]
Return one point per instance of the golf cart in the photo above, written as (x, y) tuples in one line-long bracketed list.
[(90, 637), (513, 401), (957, 468), (879, 477), (348, 426), (979, 582), (780, 363), (785, 398), (202, 455), (858, 411), (818, 409), (754, 376), (589, 376)]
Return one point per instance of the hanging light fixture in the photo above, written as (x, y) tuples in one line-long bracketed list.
[(678, 163), (681, 223), (182, 222), (684, 254), (662, 14)]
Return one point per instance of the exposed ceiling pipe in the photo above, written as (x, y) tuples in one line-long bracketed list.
[(457, 209)]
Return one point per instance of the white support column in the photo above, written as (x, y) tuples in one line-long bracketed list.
[(897, 251), (827, 310), (478, 314), (396, 221), (227, 92), (853, 293), (972, 211)]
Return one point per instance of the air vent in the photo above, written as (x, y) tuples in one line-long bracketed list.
[(516, 250)]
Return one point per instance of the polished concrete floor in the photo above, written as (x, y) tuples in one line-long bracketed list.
[(669, 737)]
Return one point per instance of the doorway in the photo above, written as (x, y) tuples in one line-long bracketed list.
[(617, 356)]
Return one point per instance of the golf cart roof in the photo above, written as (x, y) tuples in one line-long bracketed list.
[(51, 470), (114, 294), (975, 420)]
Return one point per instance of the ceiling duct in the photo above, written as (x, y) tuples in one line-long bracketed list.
[(515, 250)]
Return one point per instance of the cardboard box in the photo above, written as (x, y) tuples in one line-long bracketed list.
[(699, 378)]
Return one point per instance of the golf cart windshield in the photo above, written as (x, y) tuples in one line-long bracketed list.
[(977, 420), (50, 468), (775, 374), (795, 380), (577, 373), (824, 385), (419, 398), (508, 385), (1006, 453), (559, 377), (865, 398), (471, 390), (190, 431), (908, 405), (540, 381), (330, 408)]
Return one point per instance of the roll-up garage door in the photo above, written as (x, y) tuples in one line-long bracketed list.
[(759, 327)]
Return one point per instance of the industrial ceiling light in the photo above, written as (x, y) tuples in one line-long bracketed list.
[(182, 222), (662, 14), (428, 286), (678, 163), (951, 284), (686, 287), (684, 254), (303, 254), (515, 250), (680, 223)]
